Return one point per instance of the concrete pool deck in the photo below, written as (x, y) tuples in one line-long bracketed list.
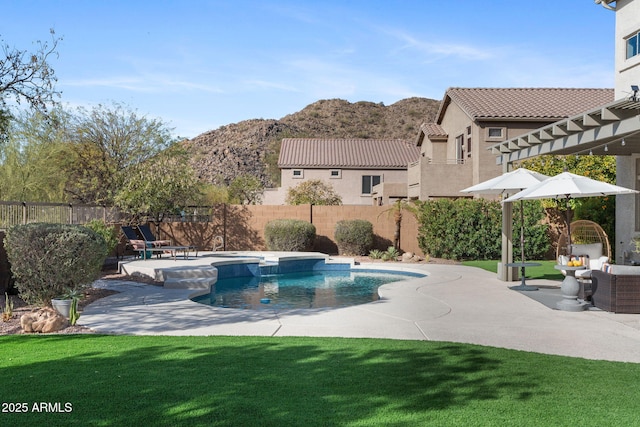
[(453, 303)]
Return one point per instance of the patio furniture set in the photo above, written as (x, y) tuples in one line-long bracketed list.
[(609, 287), (142, 240)]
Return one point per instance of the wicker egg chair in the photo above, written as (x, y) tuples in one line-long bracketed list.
[(584, 232)]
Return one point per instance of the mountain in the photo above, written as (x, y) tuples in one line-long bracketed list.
[(252, 146)]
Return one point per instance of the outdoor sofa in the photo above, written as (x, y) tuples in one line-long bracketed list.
[(616, 289)]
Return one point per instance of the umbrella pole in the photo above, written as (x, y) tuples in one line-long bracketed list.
[(522, 231), (568, 229)]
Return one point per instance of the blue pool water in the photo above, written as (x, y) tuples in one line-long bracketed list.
[(315, 289)]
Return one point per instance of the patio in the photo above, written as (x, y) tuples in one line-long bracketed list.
[(453, 303)]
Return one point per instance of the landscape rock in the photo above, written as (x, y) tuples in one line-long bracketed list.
[(45, 320)]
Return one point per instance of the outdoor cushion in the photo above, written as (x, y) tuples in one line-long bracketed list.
[(592, 250), (624, 270)]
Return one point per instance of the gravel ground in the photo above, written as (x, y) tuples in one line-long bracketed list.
[(12, 326)]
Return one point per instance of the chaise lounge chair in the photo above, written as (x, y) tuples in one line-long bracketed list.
[(157, 245), (148, 237), (134, 241)]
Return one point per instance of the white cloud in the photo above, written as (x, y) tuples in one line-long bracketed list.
[(144, 84)]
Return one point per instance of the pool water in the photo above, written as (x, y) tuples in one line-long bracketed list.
[(316, 289)]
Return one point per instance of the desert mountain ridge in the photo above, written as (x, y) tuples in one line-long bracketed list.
[(252, 146)]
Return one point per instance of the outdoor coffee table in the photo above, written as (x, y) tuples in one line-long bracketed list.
[(570, 288), (523, 265)]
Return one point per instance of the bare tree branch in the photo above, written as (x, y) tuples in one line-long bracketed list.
[(28, 77)]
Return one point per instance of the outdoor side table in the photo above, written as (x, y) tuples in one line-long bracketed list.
[(570, 288), (523, 265)]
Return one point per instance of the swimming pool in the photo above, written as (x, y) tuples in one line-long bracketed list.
[(310, 289)]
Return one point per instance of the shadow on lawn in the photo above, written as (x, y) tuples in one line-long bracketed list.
[(227, 381)]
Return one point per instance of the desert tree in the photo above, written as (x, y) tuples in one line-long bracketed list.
[(313, 192), (106, 143), (27, 77), (164, 184), (31, 156)]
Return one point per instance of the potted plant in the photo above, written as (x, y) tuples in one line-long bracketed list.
[(67, 305)]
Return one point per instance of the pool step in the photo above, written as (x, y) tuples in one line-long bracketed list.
[(190, 278)]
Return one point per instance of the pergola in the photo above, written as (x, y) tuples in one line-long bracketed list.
[(612, 129)]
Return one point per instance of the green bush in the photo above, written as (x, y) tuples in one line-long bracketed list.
[(472, 229), (50, 260), (354, 236), (289, 235), (108, 233)]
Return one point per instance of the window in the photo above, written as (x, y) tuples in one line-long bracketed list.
[(494, 133), (469, 141), (370, 181), (632, 45), (297, 173), (460, 149), (335, 174)]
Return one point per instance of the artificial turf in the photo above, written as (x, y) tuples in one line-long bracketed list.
[(105, 380), (546, 269)]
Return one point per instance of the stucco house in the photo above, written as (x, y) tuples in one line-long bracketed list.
[(454, 150), (353, 167), (612, 128)]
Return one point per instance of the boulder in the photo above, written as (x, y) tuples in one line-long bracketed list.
[(45, 320)]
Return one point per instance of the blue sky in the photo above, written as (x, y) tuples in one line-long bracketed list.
[(199, 65)]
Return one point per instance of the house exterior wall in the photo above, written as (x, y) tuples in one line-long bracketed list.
[(627, 73), (627, 70), (348, 185), (441, 172), (387, 193)]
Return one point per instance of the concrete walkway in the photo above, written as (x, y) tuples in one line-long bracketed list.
[(453, 303)]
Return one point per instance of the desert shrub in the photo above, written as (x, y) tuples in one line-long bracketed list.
[(108, 233), (50, 260), (376, 254), (289, 235), (354, 236), (391, 254)]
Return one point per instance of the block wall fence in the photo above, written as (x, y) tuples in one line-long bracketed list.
[(242, 227)]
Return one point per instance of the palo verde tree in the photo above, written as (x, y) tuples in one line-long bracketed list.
[(106, 143), (30, 159), (27, 77)]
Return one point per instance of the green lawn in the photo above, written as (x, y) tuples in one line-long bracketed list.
[(545, 271), (247, 381)]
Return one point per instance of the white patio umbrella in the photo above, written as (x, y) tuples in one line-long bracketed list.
[(567, 186), (509, 183)]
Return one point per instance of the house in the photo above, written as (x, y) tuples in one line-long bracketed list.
[(454, 150), (612, 128), (357, 169)]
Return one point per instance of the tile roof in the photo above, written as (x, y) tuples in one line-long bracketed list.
[(347, 153), (433, 129), (524, 103)]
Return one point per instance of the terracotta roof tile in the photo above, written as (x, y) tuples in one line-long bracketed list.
[(525, 103), (433, 129), (347, 153)]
